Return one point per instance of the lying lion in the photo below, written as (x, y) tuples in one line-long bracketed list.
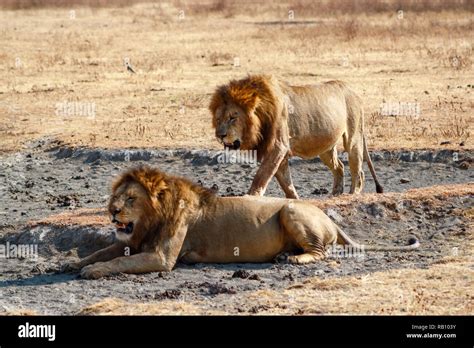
[(163, 219), (279, 121)]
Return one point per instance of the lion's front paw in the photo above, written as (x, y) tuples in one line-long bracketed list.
[(70, 267), (94, 271), (282, 258)]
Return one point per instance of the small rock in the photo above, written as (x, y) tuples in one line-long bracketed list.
[(404, 180), (375, 210), (464, 165), (241, 273), (320, 191), (216, 289), (256, 309), (168, 294), (447, 142), (254, 277)]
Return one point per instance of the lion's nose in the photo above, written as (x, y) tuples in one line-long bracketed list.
[(114, 213), (221, 131)]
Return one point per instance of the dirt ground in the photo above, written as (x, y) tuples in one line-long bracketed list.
[(72, 116)]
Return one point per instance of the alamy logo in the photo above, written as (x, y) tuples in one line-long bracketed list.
[(400, 109), (238, 156), (37, 331), (25, 251), (346, 251), (72, 109)]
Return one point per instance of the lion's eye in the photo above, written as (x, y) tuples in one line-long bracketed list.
[(130, 200)]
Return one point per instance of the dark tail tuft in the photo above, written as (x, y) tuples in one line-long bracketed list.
[(378, 188)]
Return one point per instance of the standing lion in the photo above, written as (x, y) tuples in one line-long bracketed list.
[(278, 120)]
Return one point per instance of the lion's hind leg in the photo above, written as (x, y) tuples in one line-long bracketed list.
[(336, 166), (356, 157), (302, 226)]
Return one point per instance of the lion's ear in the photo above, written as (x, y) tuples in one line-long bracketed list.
[(158, 188), (154, 185)]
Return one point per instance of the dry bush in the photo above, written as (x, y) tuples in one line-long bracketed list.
[(350, 29), (219, 58), (458, 128), (458, 61)]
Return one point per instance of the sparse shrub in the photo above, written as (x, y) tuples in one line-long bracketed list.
[(458, 61), (350, 29), (458, 128)]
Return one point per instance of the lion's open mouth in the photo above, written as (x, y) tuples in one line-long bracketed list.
[(234, 146), (124, 228)]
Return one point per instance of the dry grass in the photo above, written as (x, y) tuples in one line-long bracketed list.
[(82, 217), (443, 289), (182, 50), (435, 195), (113, 306)]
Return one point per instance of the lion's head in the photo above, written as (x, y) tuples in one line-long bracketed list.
[(136, 202), (144, 198), (240, 111)]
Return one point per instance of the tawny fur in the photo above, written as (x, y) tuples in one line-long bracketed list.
[(280, 121)]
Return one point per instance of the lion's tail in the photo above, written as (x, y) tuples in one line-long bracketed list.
[(378, 187), (344, 239)]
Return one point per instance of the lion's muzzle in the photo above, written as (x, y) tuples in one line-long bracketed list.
[(122, 227), (234, 146)]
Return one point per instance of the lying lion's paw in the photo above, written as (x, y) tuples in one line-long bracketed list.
[(70, 267), (94, 271), (282, 258), (293, 259)]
